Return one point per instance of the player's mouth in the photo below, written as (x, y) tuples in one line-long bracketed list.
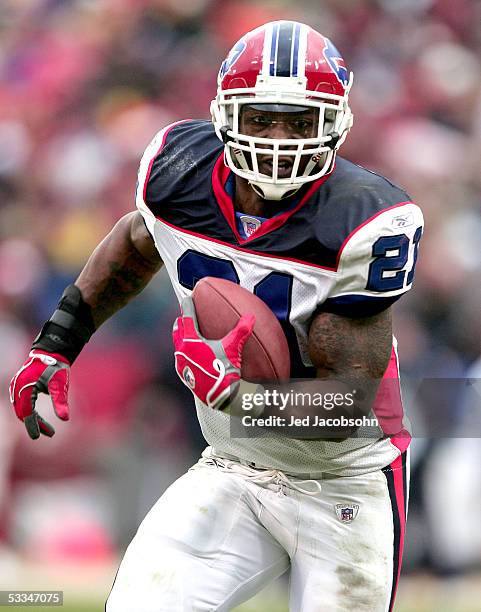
[(284, 166)]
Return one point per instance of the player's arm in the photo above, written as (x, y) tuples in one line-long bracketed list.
[(118, 269), (350, 355), (351, 348)]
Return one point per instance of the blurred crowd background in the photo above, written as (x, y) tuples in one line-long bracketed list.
[(84, 85)]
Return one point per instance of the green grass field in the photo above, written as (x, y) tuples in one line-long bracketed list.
[(419, 593)]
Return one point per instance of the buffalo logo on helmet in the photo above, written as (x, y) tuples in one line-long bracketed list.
[(336, 63), (234, 54)]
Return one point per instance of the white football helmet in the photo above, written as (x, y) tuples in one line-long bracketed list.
[(290, 66)]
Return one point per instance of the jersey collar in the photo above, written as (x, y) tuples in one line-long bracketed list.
[(220, 175)]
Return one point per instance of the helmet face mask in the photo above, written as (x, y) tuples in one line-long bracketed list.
[(266, 122), (312, 154)]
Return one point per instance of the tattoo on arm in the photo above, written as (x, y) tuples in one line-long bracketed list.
[(126, 279), (119, 268), (341, 346), (348, 354)]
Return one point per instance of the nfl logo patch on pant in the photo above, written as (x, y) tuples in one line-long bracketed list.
[(346, 513)]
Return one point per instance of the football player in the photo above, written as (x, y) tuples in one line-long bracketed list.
[(258, 196)]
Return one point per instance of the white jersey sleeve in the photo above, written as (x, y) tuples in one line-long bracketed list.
[(153, 150), (377, 261)]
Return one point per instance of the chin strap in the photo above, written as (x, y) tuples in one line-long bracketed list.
[(265, 190), (274, 192)]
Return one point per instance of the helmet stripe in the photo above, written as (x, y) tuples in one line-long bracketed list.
[(295, 50), (284, 49), (301, 70), (274, 43), (266, 51)]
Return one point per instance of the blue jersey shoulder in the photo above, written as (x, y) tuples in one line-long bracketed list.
[(179, 187), (180, 170), (349, 198), (180, 191)]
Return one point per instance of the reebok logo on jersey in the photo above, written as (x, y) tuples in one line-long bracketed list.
[(403, 220), (346, 513)]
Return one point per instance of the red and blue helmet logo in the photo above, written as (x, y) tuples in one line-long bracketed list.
[(234, 54), (336, 63)]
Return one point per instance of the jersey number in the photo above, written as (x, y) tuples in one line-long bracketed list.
[(385, 262), (275, 289)]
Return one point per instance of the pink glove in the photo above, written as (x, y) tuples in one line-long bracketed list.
[(42, 373), (209, 368)]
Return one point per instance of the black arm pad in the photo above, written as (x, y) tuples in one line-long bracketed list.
[(69, 328)]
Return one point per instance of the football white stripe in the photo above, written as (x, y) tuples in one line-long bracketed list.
[(301, 58), (266, 52)]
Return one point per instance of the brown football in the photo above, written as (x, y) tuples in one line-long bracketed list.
[(220, 303)]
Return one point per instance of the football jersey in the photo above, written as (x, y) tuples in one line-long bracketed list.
[(348, 245)]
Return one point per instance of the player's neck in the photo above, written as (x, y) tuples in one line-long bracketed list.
[(246, 200)]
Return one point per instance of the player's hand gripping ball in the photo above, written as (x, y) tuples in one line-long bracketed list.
[(42, 373), (209, 368), (227, 333), (219, 304)]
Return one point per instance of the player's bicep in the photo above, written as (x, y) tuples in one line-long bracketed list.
[(142, 239), (350, 347)]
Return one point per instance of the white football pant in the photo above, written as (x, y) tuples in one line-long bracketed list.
[(223, 531)]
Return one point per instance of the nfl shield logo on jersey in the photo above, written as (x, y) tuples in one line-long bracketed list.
[(250, 224), (346, 513)]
